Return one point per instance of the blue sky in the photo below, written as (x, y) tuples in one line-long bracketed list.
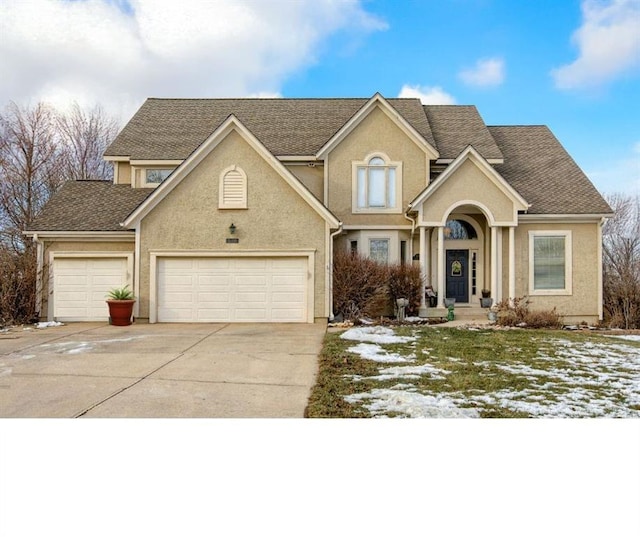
[(570, 64)]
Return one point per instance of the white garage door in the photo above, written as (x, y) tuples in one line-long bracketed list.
[(80, 286), (232, 289)]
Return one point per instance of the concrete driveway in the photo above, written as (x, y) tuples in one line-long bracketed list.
[(159, 370)]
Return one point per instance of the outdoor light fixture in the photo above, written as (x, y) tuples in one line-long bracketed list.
[(232, 228)]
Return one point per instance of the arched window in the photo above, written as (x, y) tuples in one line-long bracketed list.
[(233, 189), (377, 185), (459, 230)]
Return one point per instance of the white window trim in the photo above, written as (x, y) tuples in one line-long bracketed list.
[(568, 263), (221, 201), (139, 175), (397, 207)]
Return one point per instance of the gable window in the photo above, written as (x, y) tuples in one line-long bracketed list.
[(155, 176), (233, 189), (550, 262), (377, 185)]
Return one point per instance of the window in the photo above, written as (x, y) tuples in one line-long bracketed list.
[(377, 185), (379, 250), (459, 230), (233, 189), (156, 176), (550, 262), (353, 247)]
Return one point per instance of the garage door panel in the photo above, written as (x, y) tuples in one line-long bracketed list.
[(286, 298), (212, 316), (251, 289), (216, 263), (81, 285), (219, 280)]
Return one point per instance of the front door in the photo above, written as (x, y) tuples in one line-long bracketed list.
[(458, 275)]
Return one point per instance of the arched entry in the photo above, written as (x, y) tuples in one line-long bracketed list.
[(464, 256)]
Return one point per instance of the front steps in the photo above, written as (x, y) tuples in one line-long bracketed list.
[(461, 312)]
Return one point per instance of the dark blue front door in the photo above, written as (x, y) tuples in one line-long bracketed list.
[(458, 275)]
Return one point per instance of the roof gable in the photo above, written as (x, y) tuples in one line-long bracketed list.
[(470, 154), (377, 102), (232, 124)]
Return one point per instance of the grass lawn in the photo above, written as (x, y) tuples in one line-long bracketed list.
[(432, 371)]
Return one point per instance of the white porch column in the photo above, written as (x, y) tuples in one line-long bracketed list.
[(422, 312), (441, 268), (494, 263), (512, 263)]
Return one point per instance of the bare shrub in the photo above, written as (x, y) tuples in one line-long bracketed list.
[(405, 281), (621, 263), (17, 287), (518, 313), (359, 286)]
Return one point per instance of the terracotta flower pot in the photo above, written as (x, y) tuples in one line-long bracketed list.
[(120, 312)]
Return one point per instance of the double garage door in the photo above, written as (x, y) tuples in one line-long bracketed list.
[(243, 289)]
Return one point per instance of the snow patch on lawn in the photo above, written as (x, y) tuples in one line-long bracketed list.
[(375, 334), (410, 372), (566, 380), (379, 402), (629, 337), (370, 351)]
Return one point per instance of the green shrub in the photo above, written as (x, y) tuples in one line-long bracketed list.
[(120, 293)]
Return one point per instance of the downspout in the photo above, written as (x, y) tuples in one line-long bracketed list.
[(600, 283), (39, 268), (331, 237), (413, 230)]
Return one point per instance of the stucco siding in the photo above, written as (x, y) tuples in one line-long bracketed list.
[(277, 218), (468, 182), (312, 177), (376, 133), (124, 173), (582, 303)]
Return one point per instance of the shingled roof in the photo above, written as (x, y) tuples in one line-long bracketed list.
[(535, 163), (540, 169), (454, 127), (167, 129), (89, 206)]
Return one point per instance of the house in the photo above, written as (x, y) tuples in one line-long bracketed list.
[(229, 210)]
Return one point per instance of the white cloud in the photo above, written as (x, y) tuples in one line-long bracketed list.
[(117, 53), (486, 72), (608, 44), (426, 94)]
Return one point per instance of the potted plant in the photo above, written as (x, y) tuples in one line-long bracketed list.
[(120, 302), (486, 301)]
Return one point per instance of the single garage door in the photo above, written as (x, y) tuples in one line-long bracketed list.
[(245, 289), (80, 286)]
